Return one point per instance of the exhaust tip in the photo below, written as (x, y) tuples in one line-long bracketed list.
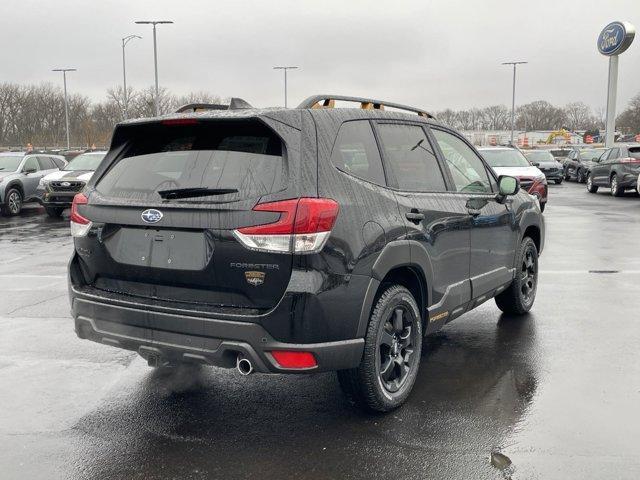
[(244, 365)]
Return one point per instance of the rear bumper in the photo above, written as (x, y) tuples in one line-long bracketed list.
[(219, 345)]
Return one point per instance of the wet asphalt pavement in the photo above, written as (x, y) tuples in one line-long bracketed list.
[(558, 392)]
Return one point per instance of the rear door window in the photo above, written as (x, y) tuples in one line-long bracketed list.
[(410, 158), (236, 160), (356, 152), (634, 152)]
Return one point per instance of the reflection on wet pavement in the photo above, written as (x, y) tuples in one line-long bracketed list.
[(555, 392)]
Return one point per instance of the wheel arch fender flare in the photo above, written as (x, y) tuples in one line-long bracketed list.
[(14, 184), (395, 254)]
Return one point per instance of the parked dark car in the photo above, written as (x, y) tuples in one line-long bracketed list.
[(297, 240), (546, 162), (20, 174), (579, 162), (511, 161), (56, 190), (617, 169)]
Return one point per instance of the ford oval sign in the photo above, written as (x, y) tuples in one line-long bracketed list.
[(615, 38), (151, 215)]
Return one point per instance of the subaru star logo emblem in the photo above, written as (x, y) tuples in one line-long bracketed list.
[(151, 215), (65, 184)]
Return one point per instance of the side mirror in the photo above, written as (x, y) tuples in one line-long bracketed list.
[(27, 171), (535, 164), (507, 186)]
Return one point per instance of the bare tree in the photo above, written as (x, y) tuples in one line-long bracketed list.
[(539, 115), (629, 120), (578, 116)]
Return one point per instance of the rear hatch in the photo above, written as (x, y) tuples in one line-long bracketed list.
[(164, 211)]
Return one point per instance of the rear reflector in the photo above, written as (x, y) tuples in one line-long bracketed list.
[(80, 225), (304, 226), (294, 359)]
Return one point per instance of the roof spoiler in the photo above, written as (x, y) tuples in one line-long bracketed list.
[(329, 101), (234, 104)]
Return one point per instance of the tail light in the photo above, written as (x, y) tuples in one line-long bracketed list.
[(80, 225), (294, 359), (303, 227), (630, 160)]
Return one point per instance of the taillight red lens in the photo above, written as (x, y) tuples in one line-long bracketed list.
[(300, 215), (630, 160), (282, 226), (304, 225), (79, 199), (294, 359)]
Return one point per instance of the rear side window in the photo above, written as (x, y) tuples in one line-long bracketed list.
[(243, 155), (356, 152), (411, 159), (634, 152)]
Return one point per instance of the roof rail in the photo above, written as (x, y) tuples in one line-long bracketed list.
[(329, 101), (234, 104)]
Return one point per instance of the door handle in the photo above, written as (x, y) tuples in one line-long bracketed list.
[(414, 216)]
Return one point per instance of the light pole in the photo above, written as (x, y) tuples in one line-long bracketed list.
[(66, 103), (285, 80), (155, 53), (126, 40), (513, 98)]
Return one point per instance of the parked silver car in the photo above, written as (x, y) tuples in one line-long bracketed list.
[(20, 174)]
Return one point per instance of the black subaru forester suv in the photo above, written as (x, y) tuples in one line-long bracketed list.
[(297, 240)]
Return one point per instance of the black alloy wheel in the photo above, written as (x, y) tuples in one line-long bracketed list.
[(395, 349)]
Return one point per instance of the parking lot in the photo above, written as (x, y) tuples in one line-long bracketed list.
[(557, 392)]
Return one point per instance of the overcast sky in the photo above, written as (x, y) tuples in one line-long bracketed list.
[(433, 54)]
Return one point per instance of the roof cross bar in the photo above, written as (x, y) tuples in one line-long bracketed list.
[(329, 101)]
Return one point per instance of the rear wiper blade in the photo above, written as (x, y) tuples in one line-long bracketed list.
[(175, 193)]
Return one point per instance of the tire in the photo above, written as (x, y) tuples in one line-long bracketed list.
[(521, 294), (616, 191), (542, 206), (580, 176), (54, 212), (393, 339), (558, 181), (591, 188), (13, 202)]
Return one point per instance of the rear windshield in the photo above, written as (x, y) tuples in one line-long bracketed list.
[(634, 152), (243, 156)]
